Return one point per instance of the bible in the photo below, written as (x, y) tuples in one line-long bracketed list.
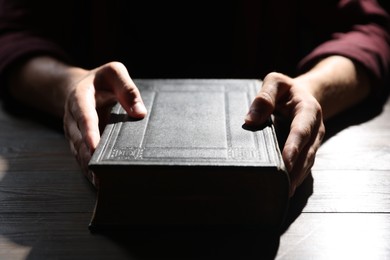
[(190, 161)]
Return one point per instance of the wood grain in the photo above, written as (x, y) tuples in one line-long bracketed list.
[(337, 236)]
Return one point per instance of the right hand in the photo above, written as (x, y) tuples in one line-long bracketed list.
[(89, 101), (290, 99)]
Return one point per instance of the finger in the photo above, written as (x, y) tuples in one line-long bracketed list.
[(302, 145), (306, 161), (77, 145), (105, 100), (72, 133), (114, 76), (274, 86), (306, 121), (83, 157), (84, 116)]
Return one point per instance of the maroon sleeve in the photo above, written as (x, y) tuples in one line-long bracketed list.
[(361, 32), (21, 34)]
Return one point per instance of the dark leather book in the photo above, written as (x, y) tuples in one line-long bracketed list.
[(190, 161)]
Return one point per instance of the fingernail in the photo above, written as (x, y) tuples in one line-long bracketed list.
[(253, 116), (139, 109)]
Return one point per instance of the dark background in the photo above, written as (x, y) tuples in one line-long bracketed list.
[(385, 4)]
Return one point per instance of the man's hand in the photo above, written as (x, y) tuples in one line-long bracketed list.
[(282, 96), (89, 102)]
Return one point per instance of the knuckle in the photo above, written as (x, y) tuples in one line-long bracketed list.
[(278, 80), (311, 154), (275, 76), (82, 121), (311, 104), (264, 98), (303, 131), (113, 68), (291, 149), (321, 132), (109, 72)]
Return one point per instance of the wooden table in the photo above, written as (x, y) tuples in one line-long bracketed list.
[(342, 211)]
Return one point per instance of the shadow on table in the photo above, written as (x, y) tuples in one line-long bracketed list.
[(226, 243), (197, 244)]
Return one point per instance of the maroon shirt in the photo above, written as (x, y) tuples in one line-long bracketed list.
[(236, 39)]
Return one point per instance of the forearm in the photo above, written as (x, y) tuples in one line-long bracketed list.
[(337, 83), (43, 83)]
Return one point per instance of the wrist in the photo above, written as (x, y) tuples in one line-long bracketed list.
[(337, 83), (43, 83)]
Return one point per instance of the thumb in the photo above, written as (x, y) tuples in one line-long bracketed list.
[(274, 86), (114, 77)]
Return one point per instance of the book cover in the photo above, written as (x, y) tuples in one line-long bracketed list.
[(189, 161)]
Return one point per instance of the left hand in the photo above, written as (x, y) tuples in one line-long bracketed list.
[(88, 105)]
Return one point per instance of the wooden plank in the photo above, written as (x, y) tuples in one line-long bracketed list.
[(357, 140), (355, 150), (337, 236), (64, 236), (37, 171), (312, 236), (53, 236), (45, 191), (28, 146), (350, 191)]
